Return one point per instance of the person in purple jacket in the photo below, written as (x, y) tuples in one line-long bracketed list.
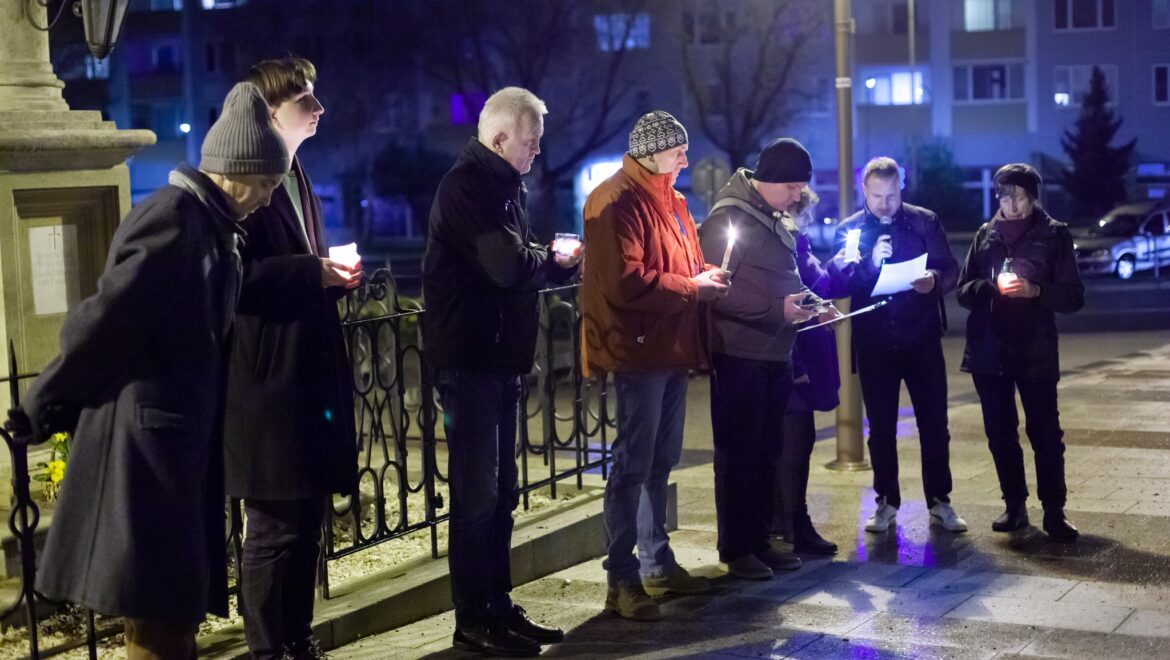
[(815, 383)]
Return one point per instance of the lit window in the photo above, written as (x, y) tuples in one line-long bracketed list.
[(96, 69), (989, 82), (985, 15), (896, 87), (617, 32), (222, 4), (1070, 84), (1162, 84), (1085, 14)]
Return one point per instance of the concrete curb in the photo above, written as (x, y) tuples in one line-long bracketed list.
[(542, 544)]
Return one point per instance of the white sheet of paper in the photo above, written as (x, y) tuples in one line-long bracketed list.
[(896, 278), (345, 254)]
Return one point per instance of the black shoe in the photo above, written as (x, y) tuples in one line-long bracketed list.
[(1013, 518), (1058, 527), (495, 639), (519, 623), (806, 539)]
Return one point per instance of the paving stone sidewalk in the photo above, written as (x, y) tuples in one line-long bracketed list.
[(918, 591)]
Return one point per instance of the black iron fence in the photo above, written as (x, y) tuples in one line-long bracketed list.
[(399, 437)]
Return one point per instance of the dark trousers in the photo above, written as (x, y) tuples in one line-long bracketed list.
[(997, 396), (278, 572), (748, 398), (797, 436), (479, 415), (923, 368)]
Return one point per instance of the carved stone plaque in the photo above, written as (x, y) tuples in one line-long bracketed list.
[(53, 261)]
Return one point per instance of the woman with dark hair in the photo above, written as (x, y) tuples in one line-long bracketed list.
[(1020, 271), (815, 384)]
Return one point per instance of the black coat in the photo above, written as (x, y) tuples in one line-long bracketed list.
[(1016, 337), (289, 430), (483, 269), (910, 318), (139, 528)]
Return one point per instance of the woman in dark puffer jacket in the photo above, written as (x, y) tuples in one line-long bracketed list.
[(1020, 271)]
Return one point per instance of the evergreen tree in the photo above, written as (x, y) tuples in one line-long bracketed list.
[(1096, 180)]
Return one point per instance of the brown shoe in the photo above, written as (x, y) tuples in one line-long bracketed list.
[(675, 579), (632, 602), (779, 561), (749, 567)]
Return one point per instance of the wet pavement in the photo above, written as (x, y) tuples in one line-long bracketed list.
[(916, 591)]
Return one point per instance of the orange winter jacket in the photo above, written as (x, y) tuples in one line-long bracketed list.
[(638, 297)]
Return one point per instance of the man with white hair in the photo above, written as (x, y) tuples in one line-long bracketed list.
[(481, 274)]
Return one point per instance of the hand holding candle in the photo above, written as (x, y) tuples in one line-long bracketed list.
[(730, 244)]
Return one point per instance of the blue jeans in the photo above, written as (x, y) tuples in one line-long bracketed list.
[(650, 412), (479, 415)]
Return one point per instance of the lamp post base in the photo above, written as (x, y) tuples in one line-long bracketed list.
[(848, 466)]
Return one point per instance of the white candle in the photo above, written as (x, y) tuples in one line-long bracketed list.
[(730, 244)]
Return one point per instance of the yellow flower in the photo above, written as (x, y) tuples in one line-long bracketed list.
[(56, 470)]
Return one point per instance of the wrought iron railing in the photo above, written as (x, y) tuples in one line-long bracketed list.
[(397, 421)]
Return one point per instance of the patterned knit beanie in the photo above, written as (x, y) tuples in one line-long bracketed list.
[(242, 140), (656, 131)]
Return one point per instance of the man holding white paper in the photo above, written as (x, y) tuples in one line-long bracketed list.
[(289, 435), (901, 341)]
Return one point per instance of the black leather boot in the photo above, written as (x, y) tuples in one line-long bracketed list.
[(1013, 518), (1058, 527), (806, 539)]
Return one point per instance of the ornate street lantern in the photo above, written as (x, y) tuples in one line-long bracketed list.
[(103, 20)]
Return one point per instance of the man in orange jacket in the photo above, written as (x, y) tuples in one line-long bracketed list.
[(643, 281)]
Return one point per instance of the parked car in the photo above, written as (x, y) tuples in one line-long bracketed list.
[(1128, 239)]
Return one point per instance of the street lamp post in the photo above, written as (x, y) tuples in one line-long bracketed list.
[(850, 451)]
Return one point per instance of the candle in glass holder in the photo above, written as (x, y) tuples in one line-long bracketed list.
[(1007, 275), (730, 244)]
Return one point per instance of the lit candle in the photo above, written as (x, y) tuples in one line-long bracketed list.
[(730, 244), (1004, 280)]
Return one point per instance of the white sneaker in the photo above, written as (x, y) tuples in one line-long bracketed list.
[(883, 519), (942, 514)]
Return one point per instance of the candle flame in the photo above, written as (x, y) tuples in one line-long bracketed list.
[(731, 233)]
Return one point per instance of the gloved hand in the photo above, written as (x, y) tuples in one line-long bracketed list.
[(19, 426)]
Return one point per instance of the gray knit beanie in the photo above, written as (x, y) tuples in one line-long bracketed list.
[(242, 140), (656, 131)]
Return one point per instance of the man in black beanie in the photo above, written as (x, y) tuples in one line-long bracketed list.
[(752, 330), (139, 528)]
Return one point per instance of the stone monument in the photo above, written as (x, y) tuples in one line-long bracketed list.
[(64, 187)]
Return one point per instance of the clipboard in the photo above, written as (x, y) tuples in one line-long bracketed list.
[(863, 310)]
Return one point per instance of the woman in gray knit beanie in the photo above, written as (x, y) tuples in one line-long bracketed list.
[(138, 531), (242, 153)]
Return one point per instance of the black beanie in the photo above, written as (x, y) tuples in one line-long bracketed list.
[(784, 160), (1021, 175)]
